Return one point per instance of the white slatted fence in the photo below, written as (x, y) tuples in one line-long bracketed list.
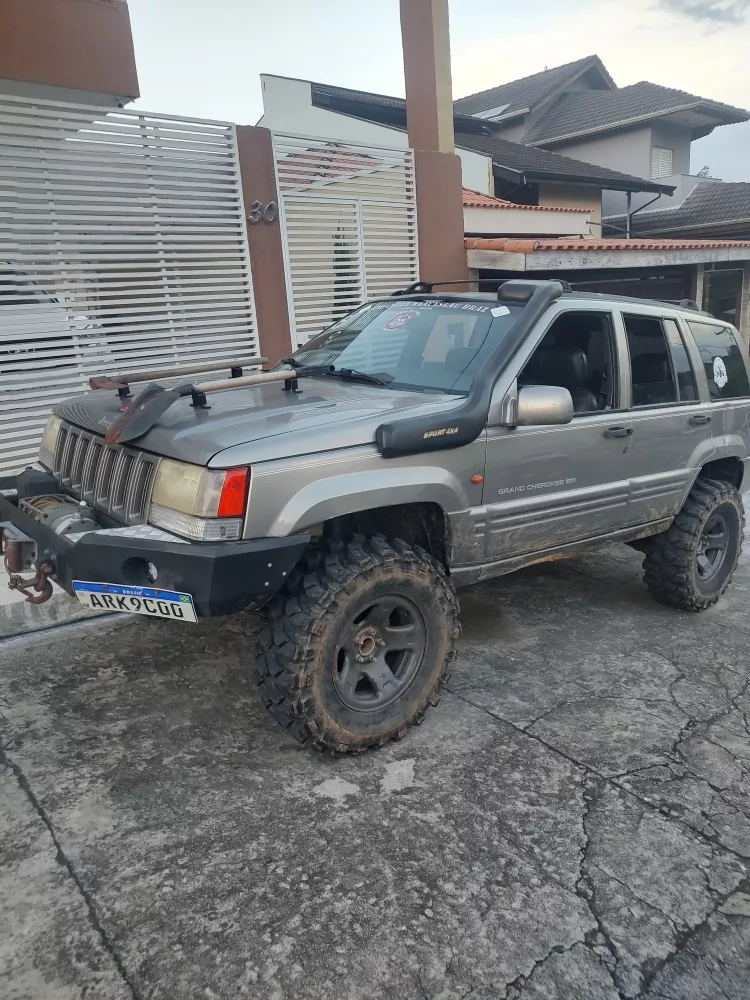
[(123, 245), (349, 224)]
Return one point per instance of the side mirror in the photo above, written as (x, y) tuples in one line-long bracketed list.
[(543, 404)]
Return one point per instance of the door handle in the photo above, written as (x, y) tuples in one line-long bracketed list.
[(699, 419), (618, 432)]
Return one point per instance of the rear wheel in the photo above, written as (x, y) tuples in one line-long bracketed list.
[(692, 564), (358, 646)]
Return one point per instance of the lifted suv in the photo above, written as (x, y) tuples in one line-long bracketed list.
[(423, 442)]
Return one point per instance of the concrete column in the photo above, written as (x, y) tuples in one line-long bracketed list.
[(700, 271), (429, 120), (266, 251), (743, 320), (427, 74)]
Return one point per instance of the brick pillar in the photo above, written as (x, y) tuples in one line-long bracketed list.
[(266, 251), (429, 120)]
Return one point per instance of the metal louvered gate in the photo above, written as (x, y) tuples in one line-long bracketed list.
[(123, 244), (349, 224)]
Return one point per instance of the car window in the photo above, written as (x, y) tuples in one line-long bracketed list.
[(436, 344), (652, 373), (577, 352), (686, 384), (722, 359)]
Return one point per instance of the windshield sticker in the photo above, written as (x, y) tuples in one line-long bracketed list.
[(720, 373), (399, 320), (500, 311), (472, 307)]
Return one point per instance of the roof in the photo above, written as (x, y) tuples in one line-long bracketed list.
[(515, 245), (475, 199), (710, 205), (531, 91), (516, 159), (381, 107), (531, 163), (583, 112)]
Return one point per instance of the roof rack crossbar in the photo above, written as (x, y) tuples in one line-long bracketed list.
[(122, 381)]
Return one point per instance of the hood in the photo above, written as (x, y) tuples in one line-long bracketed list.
[(263, 422)]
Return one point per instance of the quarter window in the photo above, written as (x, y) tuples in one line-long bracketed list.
[(722, 359), (650, 362)]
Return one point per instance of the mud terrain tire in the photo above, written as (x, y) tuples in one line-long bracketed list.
[(691, 564), (358, 644)]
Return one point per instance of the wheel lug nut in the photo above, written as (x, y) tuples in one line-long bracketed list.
[(381, 642)]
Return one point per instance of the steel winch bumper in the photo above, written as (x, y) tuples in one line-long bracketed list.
[(222, 577)]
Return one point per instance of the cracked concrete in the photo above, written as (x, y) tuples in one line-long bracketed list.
[(571, 823)]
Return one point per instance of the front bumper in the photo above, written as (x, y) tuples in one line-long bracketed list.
[(222, 578)]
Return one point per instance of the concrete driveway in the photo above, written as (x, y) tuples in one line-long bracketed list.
[(571, 823)]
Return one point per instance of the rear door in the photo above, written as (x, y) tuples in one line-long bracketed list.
[(672, 425)]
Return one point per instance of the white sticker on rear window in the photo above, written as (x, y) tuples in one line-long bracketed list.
[(720, 373), (500, 311)]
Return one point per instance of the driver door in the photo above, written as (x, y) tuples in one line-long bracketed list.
[(548, 486)]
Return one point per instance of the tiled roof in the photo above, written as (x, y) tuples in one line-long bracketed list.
[(514, 245), (586, 111), (540, 164), (529, 92), (709, 205), (475, 199)]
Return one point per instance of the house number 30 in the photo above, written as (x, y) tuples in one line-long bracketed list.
[(263, 213)]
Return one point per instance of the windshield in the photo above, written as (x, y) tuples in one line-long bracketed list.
[(429, 344)]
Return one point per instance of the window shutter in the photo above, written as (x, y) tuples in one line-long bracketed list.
[(661, 162)]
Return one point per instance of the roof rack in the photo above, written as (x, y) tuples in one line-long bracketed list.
[(123, 382), (683, 304), (427, 286)]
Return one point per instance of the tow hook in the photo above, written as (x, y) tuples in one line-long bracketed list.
[(41, 584)]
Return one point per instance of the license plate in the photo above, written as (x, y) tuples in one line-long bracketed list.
[(135, 600)]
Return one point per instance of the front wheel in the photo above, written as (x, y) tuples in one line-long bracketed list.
[(691, 564), (358, 646)]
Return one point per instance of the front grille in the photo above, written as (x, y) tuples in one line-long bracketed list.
[(111, 478)]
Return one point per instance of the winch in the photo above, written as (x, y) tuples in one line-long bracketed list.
[(60, 513)]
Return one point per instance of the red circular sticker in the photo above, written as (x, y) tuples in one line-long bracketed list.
[(399, 320)]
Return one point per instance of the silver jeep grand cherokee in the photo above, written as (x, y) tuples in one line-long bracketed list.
[(422, 443)]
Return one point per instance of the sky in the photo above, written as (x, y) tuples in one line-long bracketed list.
[(204, 57)]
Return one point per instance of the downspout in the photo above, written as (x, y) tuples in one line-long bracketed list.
[(635, 212), (627, 215)]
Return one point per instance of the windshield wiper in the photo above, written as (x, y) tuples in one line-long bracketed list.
[(352, 374), (357, 376)]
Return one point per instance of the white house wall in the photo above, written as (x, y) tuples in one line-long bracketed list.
[(288, 107), (521, 222)]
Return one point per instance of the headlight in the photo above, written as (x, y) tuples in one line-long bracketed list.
[(49, 441), (203, 504)]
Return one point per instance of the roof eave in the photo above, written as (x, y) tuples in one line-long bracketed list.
[(706, 107), (607, 184)]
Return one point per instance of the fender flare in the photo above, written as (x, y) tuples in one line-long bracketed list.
[(336, 496)]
